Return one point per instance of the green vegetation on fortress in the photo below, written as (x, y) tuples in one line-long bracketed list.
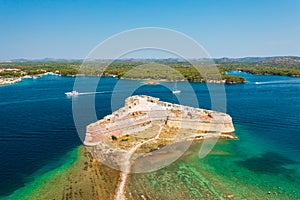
[(157, 70)]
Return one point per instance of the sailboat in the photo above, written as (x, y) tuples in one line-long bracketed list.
[(175, 90)]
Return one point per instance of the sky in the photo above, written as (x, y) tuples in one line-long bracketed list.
[(68, 29)]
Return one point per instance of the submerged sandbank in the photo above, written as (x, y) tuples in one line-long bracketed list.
[(81, 179)]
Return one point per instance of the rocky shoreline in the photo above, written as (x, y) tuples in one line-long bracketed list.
[(7, 81)]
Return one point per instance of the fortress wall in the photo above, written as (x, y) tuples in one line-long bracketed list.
[(128, 126), (120, 114), (133, 122), (127, 121), (102, 153), (122, 122), (188, 125), (201, 126), (91, 140), (201, 120), (119, 126), (193, 120), (158, 114), (228, 128), (136, 129), (195, 124)]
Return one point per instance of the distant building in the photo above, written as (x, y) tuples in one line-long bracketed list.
[(12, 70)]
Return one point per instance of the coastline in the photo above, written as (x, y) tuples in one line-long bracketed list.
[(149, 81), (8, 81)]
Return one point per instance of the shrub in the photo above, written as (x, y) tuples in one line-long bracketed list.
[(114, 137)]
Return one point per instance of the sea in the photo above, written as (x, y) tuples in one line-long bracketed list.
[(38, 132)]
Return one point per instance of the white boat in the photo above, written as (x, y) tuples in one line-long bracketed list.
[(175, 90), (73, 93)]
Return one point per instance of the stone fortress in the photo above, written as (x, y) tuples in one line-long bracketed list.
[(141, 112)]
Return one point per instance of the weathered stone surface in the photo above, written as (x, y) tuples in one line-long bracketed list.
[(140, 112)]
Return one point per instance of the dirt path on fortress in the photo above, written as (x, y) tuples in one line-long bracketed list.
[(125, 170)]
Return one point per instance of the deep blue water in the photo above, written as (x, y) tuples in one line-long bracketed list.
[(37, 127)]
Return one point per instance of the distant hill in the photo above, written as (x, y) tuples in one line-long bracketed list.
[(260, 60), (240, 60), (275, 60), (45, 60), (281, 61)]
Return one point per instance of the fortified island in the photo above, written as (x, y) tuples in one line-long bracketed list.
[(146, 125), (141, 113)]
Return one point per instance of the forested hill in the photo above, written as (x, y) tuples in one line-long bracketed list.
[(287, 66)]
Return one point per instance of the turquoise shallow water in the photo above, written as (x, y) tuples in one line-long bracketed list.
[(37, 130), (232, 170)]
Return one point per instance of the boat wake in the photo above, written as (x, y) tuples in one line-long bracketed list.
[(75, 93), (86, 93), (279, 82)]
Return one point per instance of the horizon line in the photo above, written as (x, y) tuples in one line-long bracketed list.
[(50, 59)]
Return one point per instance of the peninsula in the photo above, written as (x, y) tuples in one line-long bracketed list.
[(145, 125)]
